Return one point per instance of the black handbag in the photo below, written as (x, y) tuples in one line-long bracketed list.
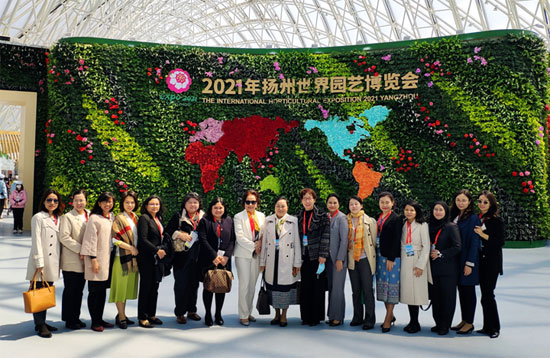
[(262, 305)]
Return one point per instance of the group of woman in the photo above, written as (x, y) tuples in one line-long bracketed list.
[(299, 257)]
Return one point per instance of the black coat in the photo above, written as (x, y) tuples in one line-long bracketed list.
[(491, 249), (449, 245), (390, 237), (318, 235), (149, 242), (176, 224), (208, 239)]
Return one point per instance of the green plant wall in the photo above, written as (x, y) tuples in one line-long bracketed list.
[(475, 117)]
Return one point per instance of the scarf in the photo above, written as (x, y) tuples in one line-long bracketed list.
[(254, 218), (356, 236), (434, 224), (279, 223), (123, 232), (194, 222)]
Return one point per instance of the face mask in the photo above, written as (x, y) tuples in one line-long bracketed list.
[(18, 187)]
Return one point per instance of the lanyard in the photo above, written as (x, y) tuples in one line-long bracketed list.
[(219, 230), (157, 221), (85, 216), (308, 224), (134, 219), (193, 221), (55, 220), (409, 233), (330, 216), (380, 226), (251, 219), (437, 236)]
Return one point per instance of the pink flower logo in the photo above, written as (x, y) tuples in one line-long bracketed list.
[(178, 80)]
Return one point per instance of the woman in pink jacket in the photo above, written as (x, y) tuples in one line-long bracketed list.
[(18, 199)]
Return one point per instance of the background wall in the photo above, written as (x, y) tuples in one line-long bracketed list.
[(463, 112)]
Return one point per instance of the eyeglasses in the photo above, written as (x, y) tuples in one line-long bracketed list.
[(50, 200), (482, 202), (250, 202)]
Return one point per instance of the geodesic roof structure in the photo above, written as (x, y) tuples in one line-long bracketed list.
[(265, 23)]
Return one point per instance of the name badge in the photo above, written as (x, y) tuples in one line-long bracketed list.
[(377, 241), (194, 238), (409, 250), (304, 241), (483, 227), (277, 244), (221, 252), (433, 247)]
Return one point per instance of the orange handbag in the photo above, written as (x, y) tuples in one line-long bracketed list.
[(39, 299)]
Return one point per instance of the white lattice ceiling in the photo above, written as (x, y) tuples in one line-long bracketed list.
[(265, 23)]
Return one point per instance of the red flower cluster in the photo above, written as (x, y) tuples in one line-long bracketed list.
[(123, 187), (158, 74), (186, 128), (358, 158), (405, 161), (48, 131), (478, 148), (84, 145), (64, 76), (114, 111), (265, 162), (360, 63), (527, 186), (434, 67)]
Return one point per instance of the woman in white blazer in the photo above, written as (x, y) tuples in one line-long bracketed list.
[(248, 226), (281, 259), (71, 232), (45, 250), (415, 270)]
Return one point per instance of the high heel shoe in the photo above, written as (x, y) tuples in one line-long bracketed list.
[(219, 320), (469, 330), (208, 320), (458, 326)]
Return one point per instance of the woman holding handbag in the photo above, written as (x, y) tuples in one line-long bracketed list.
[(154, 246), (217, 241), (281, 259), (183, 228), (71, 233), (96, 249), (124, 273), (248, 225), (45, 252)]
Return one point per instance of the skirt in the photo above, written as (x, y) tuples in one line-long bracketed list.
[(123, 287), (387, 282), (281, 296)]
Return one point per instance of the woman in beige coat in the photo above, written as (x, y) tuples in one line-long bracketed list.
[(71, 232), (96, 249), (361, 263), (281, 259), (415, 270), (44, 255)]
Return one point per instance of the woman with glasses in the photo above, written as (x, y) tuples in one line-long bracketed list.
[(96, 249), (462, 214), (154, 249), (491, 233), (248, 226), (184, 228), (45, 250), (71, 233), (217, 240)]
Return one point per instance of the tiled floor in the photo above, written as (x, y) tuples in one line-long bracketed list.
[(522, 293)]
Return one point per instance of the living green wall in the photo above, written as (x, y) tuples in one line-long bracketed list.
[(476, 118)]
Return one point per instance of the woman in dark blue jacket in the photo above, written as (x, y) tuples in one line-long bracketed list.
[(445, 240), (462, 213)]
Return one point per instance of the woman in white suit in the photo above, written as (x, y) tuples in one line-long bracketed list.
[(281, 259), (45, 251), (248, 226), (415, 270)]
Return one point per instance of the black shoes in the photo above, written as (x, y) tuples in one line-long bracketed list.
[(494, 334), (219, 320), (155, 321), (122, 324), (193, 316), (106, 324), (354, 323), (208, 320), (145, 324), (283, 323), (275, 321), (412, 328), (73, 325), (43, 331), (367, 327)]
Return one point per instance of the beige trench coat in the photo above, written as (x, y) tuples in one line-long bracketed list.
[(45, 247), (290, 250), (97, 242), (71, 232), (369, 242), (414, 290)]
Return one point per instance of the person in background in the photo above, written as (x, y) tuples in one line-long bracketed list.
[(71, 233), (314, 228), (337, 261), (388, 259), (183, 228), (155, 248), (462, 213), (491, 233), (18, 199), (3, 194), (248, 226), (415, 269), (124, 273), (444, 254), (362, 263), (281, 259), (45, 251), (217, 240), (96, 249)]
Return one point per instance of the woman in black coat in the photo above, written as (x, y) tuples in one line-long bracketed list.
[(491, 233), (314, 229), (183, 229), (155, 248), (446, 246), (217, 241)]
